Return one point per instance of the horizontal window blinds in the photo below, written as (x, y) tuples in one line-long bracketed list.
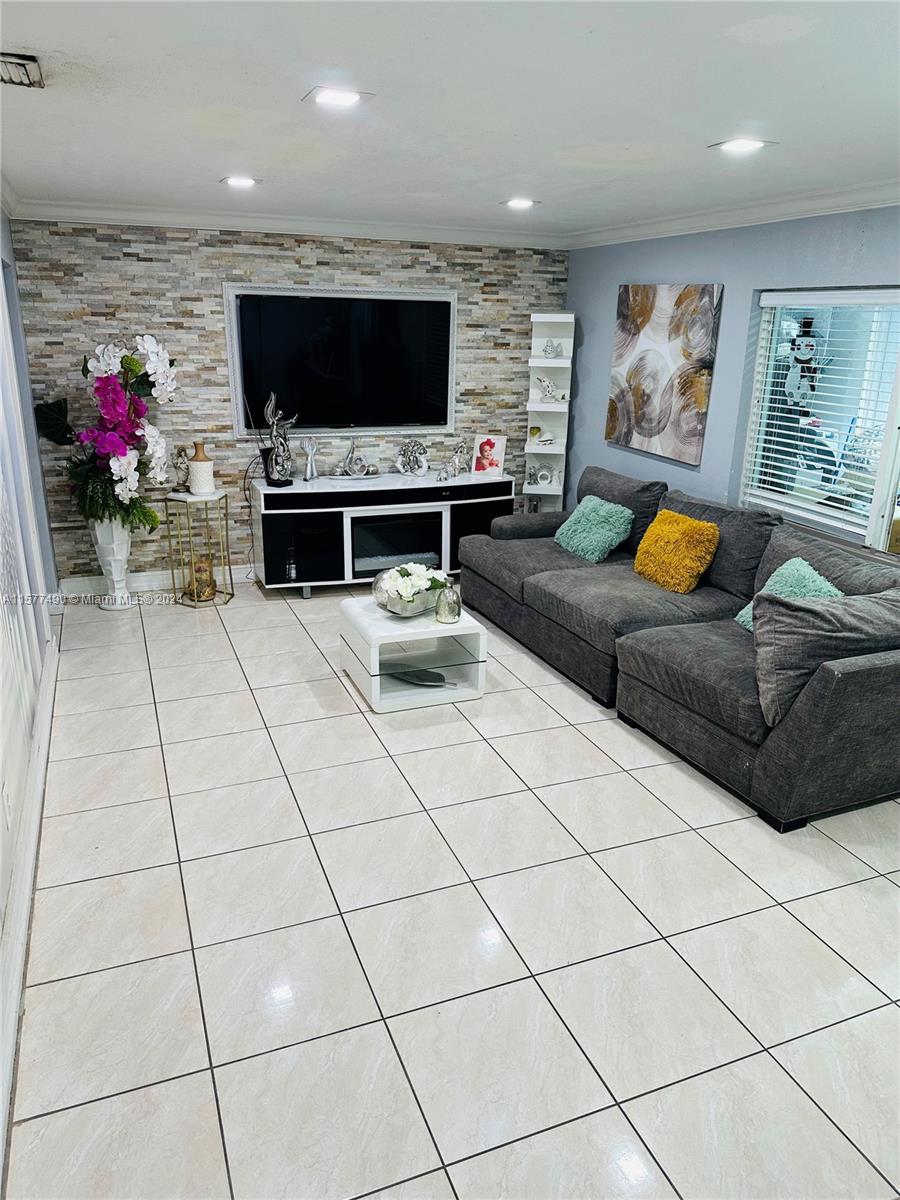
[(823, 409)]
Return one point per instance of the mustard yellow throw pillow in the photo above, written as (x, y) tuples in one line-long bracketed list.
[(676, 550)]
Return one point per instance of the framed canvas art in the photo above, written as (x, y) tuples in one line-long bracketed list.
[(488, 455), (664, 347)]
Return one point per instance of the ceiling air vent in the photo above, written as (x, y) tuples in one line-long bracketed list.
[(24, 70)]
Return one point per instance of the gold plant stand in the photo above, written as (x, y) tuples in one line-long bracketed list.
[(199, 548)]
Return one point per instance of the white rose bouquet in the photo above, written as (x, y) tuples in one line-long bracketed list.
[(408, 589)]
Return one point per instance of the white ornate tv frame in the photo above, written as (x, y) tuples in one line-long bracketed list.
[(232, 291)]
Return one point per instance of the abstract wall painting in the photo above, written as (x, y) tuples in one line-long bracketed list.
[(664, 347)]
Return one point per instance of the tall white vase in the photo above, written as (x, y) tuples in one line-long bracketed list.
[(112, 541)]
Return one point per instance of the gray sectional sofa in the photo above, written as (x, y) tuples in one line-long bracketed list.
[(680, 667)]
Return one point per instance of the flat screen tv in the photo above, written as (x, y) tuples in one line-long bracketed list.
[(342, 361)]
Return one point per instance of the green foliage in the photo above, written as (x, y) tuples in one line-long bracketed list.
[(84, 367), (133, 365), (52, 420), (95, 496)]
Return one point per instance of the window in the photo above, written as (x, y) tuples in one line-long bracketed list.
[(823, 445)]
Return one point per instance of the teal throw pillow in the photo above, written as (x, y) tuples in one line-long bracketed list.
[(595, 528), (793, 580)]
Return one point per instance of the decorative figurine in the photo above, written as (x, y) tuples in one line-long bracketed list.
[(552, 349), (547, 387), (412, 457), (309, 446), (278, 461), (180, 468)]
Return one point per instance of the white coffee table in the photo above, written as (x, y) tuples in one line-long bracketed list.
[(377, 646)]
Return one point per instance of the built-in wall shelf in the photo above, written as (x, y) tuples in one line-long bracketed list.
[(550, 378), (546, 363), (540, 406)]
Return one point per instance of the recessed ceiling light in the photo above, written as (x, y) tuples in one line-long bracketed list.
[(239, 181), (336, 97), (738, 145), (520, 202)]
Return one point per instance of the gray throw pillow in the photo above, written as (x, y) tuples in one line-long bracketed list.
[(794, 636)]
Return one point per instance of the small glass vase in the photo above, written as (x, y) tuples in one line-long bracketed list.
[(448, 608)]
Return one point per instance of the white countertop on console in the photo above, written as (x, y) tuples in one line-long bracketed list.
[(330, 484)]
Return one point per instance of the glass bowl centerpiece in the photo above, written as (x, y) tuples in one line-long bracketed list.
[(409, 589)]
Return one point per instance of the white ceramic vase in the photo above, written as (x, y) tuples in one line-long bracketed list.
[(112, 542)]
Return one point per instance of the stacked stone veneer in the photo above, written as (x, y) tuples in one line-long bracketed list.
[(85, 284)]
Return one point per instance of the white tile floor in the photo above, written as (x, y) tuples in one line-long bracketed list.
[(284, 947)]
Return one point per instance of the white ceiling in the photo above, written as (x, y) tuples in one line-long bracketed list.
[(602, 111)]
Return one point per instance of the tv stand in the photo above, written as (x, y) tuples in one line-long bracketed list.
[(342, 530)]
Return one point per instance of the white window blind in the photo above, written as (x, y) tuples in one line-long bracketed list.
[(822, 443)]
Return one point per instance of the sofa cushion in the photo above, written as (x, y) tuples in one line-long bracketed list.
[(601, 604), (595, 528), (794, 636), (744, 534), (794, 578), (849, 570), (676, 550), (640, 495), (507, 563), (708, 668)]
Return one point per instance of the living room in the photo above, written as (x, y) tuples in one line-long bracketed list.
[(451, 640)]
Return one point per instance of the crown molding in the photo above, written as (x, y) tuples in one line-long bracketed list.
[(812, 204), (77, 213)]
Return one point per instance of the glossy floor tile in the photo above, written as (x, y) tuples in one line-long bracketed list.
[(95, 1035), (849, 1069), (495, 1066), (563, 912), (326, 743), (504, 833), (77, 784), (107, 922), (353, 793), (105, 841), (679, 882), (597, 1156), (302, 1122), (259, 965), (770, 1140), (274, 989), (432, 947), (862, 923), (386, 860), (777, 976), (554, 756), (787, 867), (251, 891), (447, 776), (158, 1141), (612, 810), (236, 817), (644, 1018)]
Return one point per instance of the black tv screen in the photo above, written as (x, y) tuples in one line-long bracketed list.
[(345, 362)]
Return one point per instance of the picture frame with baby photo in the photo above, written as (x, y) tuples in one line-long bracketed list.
[(488, 454)]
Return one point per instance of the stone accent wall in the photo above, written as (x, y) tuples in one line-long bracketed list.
[(84, 284)]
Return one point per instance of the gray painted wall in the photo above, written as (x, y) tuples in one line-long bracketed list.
[(11, 286), (842, 250)]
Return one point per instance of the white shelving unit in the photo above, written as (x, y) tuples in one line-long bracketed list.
[(549, 393)]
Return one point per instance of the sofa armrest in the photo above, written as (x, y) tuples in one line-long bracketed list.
[(837, 745), (528, 525)]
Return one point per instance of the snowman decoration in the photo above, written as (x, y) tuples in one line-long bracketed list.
[(800, 383)]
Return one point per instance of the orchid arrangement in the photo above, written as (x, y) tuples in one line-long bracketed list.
[(411, 580), (122, 446)]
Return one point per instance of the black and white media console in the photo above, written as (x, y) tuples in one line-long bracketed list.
[(346, 530)]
